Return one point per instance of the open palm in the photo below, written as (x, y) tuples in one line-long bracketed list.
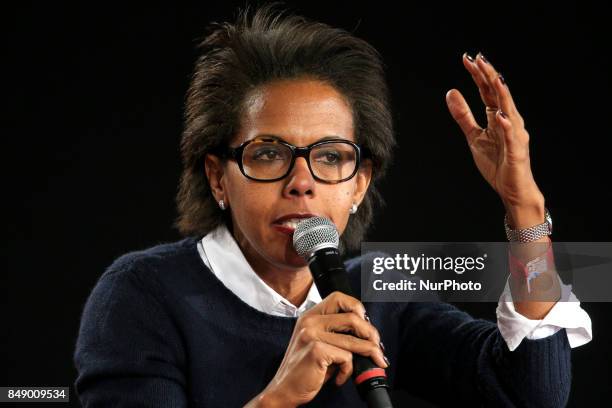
[(501, 149)]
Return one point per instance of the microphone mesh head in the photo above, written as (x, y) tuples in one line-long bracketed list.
[(314, 233)]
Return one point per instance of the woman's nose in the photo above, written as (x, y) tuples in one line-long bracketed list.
[(300, 181)]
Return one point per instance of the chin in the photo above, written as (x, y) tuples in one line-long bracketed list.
[(291, 258)]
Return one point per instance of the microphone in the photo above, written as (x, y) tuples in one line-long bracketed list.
[(316, 240)]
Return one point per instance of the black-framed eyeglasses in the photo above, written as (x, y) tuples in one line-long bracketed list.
[(271, 159)]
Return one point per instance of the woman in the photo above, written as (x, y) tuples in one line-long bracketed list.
[(288, 119)]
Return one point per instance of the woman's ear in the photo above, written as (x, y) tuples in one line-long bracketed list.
[(363, 178), (213, 166)]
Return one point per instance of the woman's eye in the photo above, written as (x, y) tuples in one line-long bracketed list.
[(329, 157), (266, 155), (332, 157)]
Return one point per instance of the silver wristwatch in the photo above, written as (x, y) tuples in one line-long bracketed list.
[(529, 234)]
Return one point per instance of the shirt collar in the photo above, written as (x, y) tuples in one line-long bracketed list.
[(222, 255)]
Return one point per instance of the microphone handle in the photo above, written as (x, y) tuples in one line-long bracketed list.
[(329, 275)]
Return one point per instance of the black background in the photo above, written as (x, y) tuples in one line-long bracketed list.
[(93, 116)]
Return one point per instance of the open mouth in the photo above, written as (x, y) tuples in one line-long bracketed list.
[(288, 223), (291, 223)]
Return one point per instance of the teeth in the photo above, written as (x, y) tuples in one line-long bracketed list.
[(291, 223)]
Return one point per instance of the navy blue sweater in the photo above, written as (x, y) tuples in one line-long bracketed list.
[(160, 330)]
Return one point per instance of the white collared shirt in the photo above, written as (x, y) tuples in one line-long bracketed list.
[(222, 255), (567, 314)]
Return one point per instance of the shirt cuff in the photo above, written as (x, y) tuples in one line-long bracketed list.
[(567, 314)]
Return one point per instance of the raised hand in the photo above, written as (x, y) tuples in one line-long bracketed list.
[(501, 149)]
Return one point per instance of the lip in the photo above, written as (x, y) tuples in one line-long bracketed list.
[(288, 230), (293, 215)]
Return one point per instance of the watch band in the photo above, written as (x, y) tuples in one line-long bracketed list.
[(529, 234)]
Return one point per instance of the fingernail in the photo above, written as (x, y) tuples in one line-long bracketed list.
[(501, 78), (386, 360), (503, 115), (382, 346), (366, 317), (469, 57), (482, 57)]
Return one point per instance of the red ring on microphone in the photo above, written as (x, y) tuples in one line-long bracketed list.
[(366, 375)]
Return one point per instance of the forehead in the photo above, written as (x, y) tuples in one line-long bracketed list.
[(299, 111)]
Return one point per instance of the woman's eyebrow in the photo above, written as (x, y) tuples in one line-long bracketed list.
[(333, 137), (330, 137)]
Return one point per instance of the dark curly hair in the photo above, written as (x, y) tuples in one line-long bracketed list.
[(265, 46)]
